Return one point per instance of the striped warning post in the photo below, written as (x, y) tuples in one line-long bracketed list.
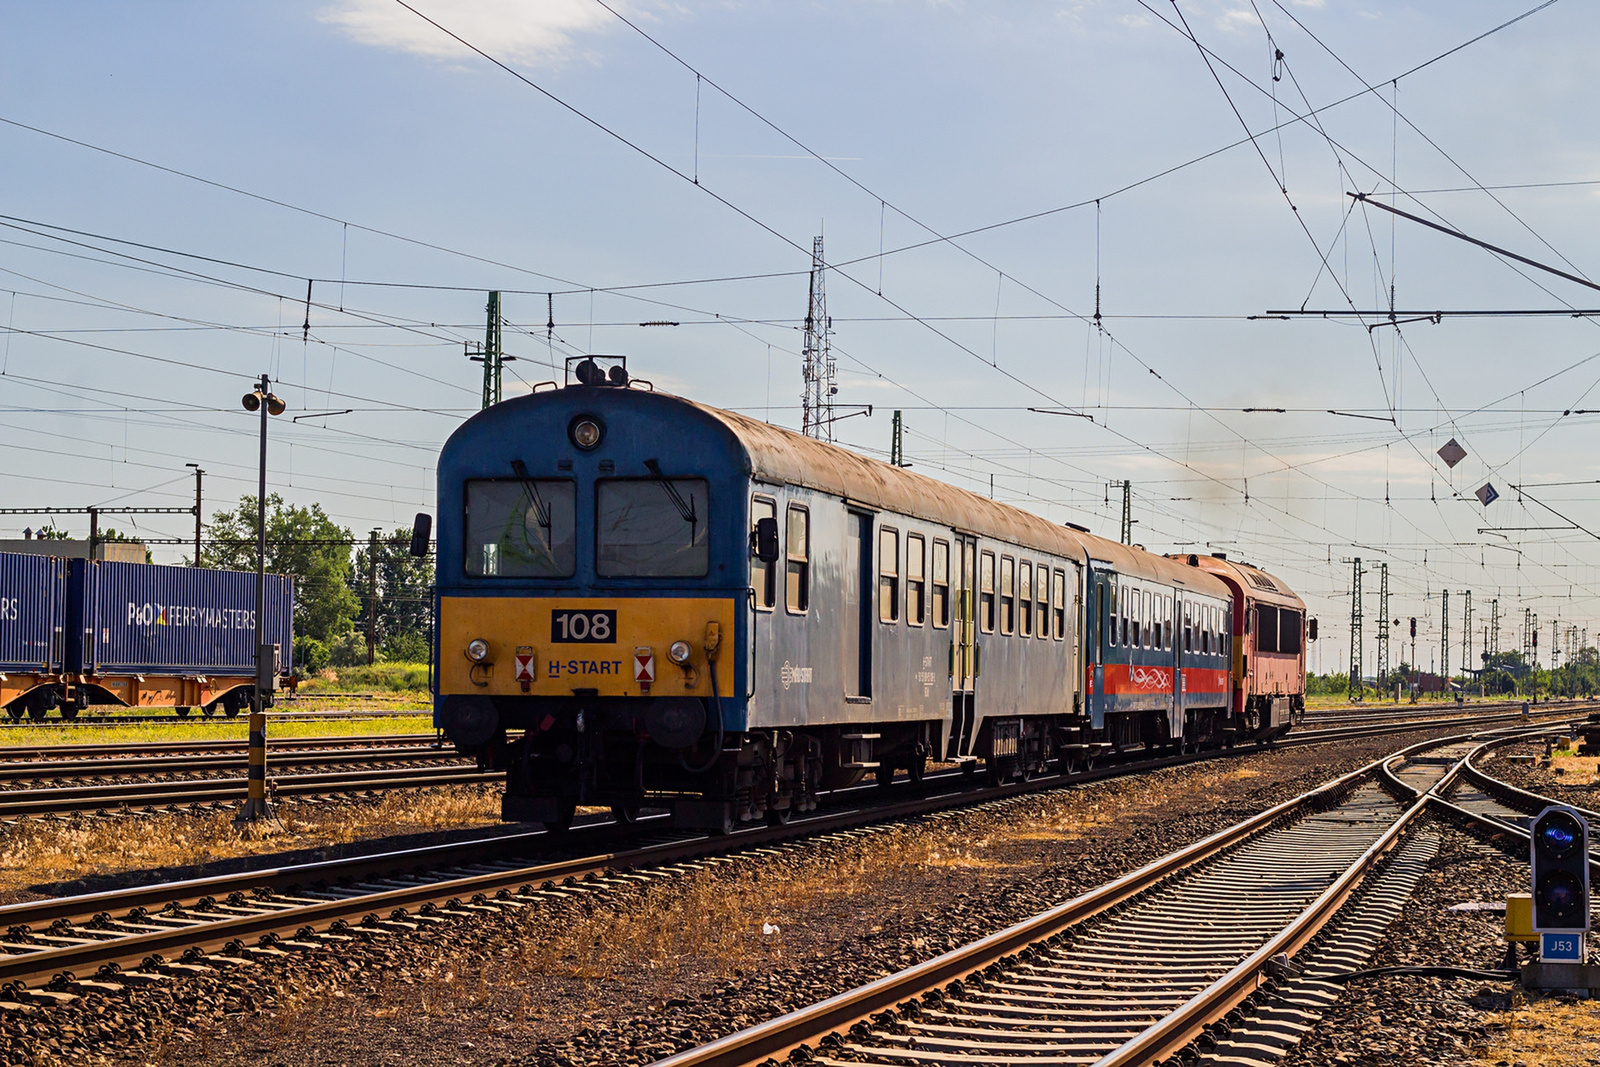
[(255, 805)]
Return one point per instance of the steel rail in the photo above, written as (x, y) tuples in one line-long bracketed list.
[(31, 966), (18, 802), (240, 744), (294, 757), (778, 1037)]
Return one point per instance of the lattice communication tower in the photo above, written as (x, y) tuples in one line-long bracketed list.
[(819, 370)]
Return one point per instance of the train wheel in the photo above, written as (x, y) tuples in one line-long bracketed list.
[(884, 775), (14, 712), (183, 713), (209, 710), (625, 814), (37, 710), (69, 712), (779, 816)]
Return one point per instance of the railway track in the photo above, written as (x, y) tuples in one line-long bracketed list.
[(1136, 970), (163, 929), (184, 775), (171, 718)]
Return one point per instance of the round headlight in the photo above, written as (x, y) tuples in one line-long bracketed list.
[(679, 652), (585, 432), (477, 650)]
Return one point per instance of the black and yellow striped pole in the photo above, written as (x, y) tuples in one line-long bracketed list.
[(255, 805)]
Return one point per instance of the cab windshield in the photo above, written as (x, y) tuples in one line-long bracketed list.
[(520, 528), (652, 528)]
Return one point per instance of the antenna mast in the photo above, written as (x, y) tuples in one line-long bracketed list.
[(819, 369)]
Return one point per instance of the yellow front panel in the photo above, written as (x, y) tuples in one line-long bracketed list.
[(559, 667)]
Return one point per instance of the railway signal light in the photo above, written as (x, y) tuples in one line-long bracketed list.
[(1413, 627), (1559, 849)]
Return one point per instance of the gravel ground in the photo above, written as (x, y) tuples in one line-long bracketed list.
[(1570, 779), (626, 976), (85, 852), (1440, 1021)]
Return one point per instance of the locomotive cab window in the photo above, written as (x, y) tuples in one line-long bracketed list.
[(652, 528), (1025, 599), (888, 575), (986, 592), (941, 584), (1008, 595), (520, 528), (1058, 607), (763, 575), (1289, 627), (916, 609), (797, 576), (1266, 628)]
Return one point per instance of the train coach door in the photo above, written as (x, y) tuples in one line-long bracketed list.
[(964, 649)]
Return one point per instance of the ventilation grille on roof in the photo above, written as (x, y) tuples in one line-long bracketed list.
[(1261, 581)]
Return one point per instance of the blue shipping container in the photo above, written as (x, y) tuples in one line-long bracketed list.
[(33, 591), (139, 618)]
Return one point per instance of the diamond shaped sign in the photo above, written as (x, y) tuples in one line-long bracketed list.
[(1452, 453), (1487, 494)]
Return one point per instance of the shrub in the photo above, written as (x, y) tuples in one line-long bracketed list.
[(406, 647), (349, 649), (310, 655)]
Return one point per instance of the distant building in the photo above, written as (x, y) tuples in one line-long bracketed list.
[(115, 551)]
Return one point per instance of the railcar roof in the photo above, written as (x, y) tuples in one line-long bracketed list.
[(1267, 588), (781, 456)]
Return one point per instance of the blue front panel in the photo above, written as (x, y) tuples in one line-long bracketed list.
[(637, 426)]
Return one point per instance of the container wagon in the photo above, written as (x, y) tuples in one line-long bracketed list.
[(33, 596), (141, 635)]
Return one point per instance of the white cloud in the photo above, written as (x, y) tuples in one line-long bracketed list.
[(526, 31)]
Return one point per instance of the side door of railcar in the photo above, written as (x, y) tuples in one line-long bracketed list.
[(963, 647)]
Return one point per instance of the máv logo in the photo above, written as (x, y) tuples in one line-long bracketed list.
[(1149, 677)]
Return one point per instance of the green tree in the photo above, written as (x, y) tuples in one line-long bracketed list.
[(404, 598), (302, 543)]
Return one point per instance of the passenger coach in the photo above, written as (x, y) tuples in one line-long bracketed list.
[(643, 600)]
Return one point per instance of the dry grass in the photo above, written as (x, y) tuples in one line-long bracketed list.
[(1576, 770), (38, 851), (1547, 1032), (211, 730)]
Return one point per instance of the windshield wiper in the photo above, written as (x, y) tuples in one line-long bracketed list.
[(685, 507), (541, 510)]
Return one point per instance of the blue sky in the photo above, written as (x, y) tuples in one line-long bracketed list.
[(398, 156)]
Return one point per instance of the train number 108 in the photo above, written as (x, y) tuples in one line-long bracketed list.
[(583, 627)]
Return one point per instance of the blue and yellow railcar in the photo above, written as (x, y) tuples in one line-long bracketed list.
[(644, 601)]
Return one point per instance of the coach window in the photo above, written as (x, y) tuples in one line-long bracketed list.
[(1058, 622), (1205, 629), (915, 608), (1025, 599), (986, 592), (1188, 645), (1008, 595), (1122, 616), (1152, 621), (1139, 603), (520, 528), (1041, 595), (1167, 604), (941, 584), (763, 575), (1111, 616), (888, 575), (797, 585)]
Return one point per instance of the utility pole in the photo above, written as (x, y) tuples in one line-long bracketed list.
[(897, 450), (1382, 636), (491, 353), (1466, 631), (818, 369), (94, 530), (198, 475), (1127, 512), (372, 597), (1494, 627), (1355, 630), (1444, 636)]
